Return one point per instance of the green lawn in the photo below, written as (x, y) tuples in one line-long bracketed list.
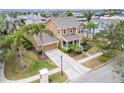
[(12, 69), (96, 61), (55, 78), (79, 57), (58, 78), (93, 50)]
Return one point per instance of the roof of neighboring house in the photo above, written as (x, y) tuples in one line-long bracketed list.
[(32, 18), (45, 39), (71, 37), (65, 22), (106, 20)]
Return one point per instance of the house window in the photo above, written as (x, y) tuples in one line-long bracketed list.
[(81, 31), (71, 30), (64, 32)]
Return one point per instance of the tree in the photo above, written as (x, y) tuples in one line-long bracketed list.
[(91, 26), (118, 68), (111, 39), (38, 28), (94, 26), (88, 16), (16, 39), (69, 13)]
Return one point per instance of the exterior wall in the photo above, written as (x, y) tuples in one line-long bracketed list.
[(68, 31), (48, 47), (52, 27)]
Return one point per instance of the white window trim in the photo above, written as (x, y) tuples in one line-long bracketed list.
[(65, 32), (70, 31)]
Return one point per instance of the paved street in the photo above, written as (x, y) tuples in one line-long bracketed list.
[(101, 75), (72, 68)]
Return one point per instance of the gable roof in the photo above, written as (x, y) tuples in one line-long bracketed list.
[(65, 22)]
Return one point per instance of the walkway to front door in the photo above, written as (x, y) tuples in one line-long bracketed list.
[(72, 68)]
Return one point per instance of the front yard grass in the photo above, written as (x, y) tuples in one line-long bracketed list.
[(79, 57), (12, 65), (57, 78), (93, 50), (96, 61)]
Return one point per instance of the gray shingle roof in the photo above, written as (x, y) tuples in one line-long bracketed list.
[(106, 20), (65, 22), (44, 39)]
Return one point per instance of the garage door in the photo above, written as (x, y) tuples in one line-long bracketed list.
[(51, 46)]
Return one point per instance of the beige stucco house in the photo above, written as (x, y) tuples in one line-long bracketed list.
[(67, 29)]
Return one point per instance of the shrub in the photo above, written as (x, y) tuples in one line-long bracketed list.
[(69, 50), (78, 51), (40, 52), (85, 48)]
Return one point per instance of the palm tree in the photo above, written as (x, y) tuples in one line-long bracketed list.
[(37, 28), (88, 16), (16, 39), (91, 26), (94, 26)]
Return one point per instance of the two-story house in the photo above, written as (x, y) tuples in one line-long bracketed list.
[(67, 29)]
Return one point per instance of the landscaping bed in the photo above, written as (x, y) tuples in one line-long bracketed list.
[(12, 65), (57, 78), (96, 61), (77, 55)]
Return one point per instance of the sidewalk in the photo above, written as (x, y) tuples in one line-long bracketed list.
[(89, 57)]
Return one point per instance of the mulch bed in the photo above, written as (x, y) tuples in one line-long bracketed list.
[(41, 57)]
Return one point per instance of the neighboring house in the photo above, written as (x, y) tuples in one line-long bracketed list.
[(33, 19), (77, 15), (67, 29), (103, 23)]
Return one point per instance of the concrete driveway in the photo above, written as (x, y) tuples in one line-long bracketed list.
[(72, 68)]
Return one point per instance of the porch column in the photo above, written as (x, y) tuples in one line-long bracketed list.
[(66, 45), (73, 42), (79, 42), (61, 43)]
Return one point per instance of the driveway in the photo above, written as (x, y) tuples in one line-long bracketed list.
[(71, 67), (103, 74)]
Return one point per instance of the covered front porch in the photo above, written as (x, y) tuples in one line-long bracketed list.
[(70, 39)]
